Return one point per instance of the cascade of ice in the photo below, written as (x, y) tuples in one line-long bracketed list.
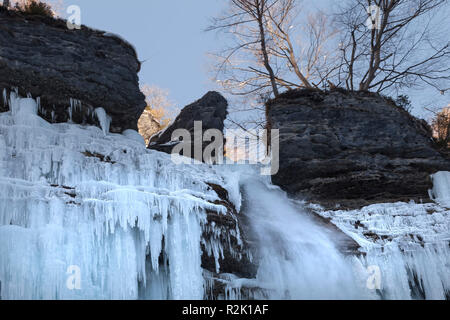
[(84, 215), (297, 257), (404, 254)]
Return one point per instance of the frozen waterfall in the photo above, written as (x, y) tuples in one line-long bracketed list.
[(297, 257), (78, 204), (86, 214)]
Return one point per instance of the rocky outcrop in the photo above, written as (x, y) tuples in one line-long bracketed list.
[(72, 71), (211, 110), (352, 149)]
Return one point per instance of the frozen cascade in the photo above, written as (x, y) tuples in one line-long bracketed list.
[(79, 201), (76, 202), (404, 248), (297, 258)]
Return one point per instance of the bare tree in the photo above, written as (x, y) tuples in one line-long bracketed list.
[(158, 113), (246, 20), (303, 42), (275, 45), (397, 47), (158, 103)]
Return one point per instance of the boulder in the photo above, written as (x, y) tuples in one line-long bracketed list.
[(352, 149), (72, 71), (210, 110)]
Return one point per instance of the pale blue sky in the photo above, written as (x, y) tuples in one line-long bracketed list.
[(169, 35)]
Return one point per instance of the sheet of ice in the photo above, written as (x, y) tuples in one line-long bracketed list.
[(78, 204)]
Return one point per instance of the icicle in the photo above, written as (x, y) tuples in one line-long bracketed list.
[(441, 188), (104, 119), (5, 97)]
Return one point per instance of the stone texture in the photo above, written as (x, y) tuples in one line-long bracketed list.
[(211, 110), (42, 57), (352, 149)]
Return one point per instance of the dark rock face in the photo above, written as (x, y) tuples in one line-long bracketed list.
[(211, 110), (237, 255), (42, 57), (352, 149)]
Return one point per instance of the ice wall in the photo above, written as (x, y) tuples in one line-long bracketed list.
[(404, 248), (407, 244), (78, 203)]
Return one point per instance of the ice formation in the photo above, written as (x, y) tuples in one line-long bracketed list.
[(86, 214), (73, 198), (297, 258), (407, 242), (441, 189), (103, 119)]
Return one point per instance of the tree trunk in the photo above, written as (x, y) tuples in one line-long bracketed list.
[(260, 17)]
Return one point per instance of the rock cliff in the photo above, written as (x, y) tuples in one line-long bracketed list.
[(352, 149), (72, 71)]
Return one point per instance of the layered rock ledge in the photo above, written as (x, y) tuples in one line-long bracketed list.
[(72, 71)]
